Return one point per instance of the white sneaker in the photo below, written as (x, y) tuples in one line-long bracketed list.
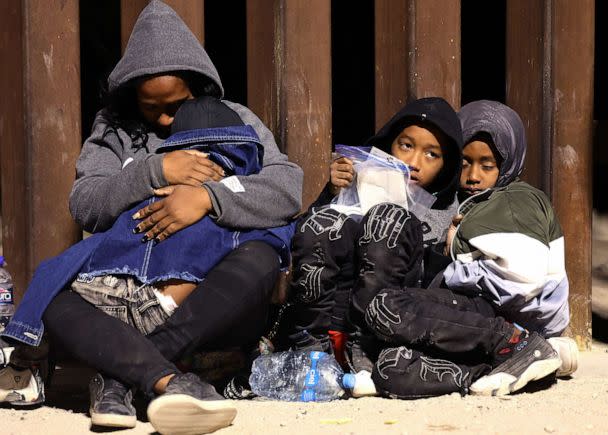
[(190, 406), (21, 387), (5, 355), (534, 360), (567, 350)]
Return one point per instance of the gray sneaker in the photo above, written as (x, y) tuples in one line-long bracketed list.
[(190, 406), (534, 360), (111, 403), (21, 386)]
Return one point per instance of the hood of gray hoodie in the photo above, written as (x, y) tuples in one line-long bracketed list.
[(161, 42), (505, 127)]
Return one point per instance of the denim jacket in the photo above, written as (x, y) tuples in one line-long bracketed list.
[(188, 254)]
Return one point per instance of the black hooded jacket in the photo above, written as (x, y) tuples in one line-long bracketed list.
[(438, 113), (435, 112)]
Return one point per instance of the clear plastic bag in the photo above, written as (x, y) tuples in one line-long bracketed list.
[(379, 177)]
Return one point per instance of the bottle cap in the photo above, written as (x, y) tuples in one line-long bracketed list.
[(1, 260), (348, 380)]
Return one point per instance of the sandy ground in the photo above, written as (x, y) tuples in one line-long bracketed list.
[(575, 405)]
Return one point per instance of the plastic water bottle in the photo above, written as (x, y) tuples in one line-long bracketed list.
[(299, 376), (7, 306)]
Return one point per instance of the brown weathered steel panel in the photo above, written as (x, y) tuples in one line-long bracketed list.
[(572, 54), (13, 142), (301, 77), (39, 130), (191, 11), (434, 49), (525, 60), (263, 61), (391, 58), (417, 51), (550, 83)]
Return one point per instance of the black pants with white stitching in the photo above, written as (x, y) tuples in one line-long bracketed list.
[(323, 271), (340, 263), (435, 341)]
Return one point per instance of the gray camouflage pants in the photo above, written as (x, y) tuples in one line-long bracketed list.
[(124, 298)]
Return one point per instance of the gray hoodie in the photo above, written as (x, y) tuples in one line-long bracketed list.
[(112, 175)]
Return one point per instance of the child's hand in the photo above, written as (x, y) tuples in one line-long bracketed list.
[(190, 167), (452, 233), (183, 206), (342, 174)]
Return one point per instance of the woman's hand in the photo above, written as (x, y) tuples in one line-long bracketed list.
[(183, 206), (342, 174), (452, 233), (190, 167)]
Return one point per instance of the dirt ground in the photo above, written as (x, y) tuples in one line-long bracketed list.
[(575, 405), (568, 406)]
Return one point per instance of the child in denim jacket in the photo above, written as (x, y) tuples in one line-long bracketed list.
[(145, 289)]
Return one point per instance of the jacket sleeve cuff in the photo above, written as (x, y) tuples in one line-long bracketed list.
[(157, 178), (216, 212)]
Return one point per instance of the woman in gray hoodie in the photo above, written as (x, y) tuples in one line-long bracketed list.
[(164, 65)]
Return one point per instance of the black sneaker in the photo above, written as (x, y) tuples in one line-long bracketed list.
[(304, 340), (358, 354), (190, 406), (239, 389), (111, 403), (533, 359)]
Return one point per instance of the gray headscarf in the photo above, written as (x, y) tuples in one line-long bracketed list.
[(505, 127)]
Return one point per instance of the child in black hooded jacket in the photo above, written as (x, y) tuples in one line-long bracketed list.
[(340, 262)]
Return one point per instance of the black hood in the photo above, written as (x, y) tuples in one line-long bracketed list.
[(437, 113), (204, 112)]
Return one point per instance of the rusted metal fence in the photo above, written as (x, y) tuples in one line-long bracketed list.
[(549, 70)]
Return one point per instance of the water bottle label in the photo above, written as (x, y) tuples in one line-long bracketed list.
[(312, 377), (308, 395), (6, 296)]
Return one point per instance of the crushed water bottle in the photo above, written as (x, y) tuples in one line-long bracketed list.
[(7, 306), (299, 376)]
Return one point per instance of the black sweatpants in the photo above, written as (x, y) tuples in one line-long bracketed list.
[(424, 342), (228, 308), (333, 268), (435, 341), (322, 275)]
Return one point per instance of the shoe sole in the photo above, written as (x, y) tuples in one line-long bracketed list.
[(112, 420), (501, 384), (180, 414), (570, 365)]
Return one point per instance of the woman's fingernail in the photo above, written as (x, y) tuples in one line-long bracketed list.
[(144, 239), (135, 230), (155, 241), (135, 216)]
